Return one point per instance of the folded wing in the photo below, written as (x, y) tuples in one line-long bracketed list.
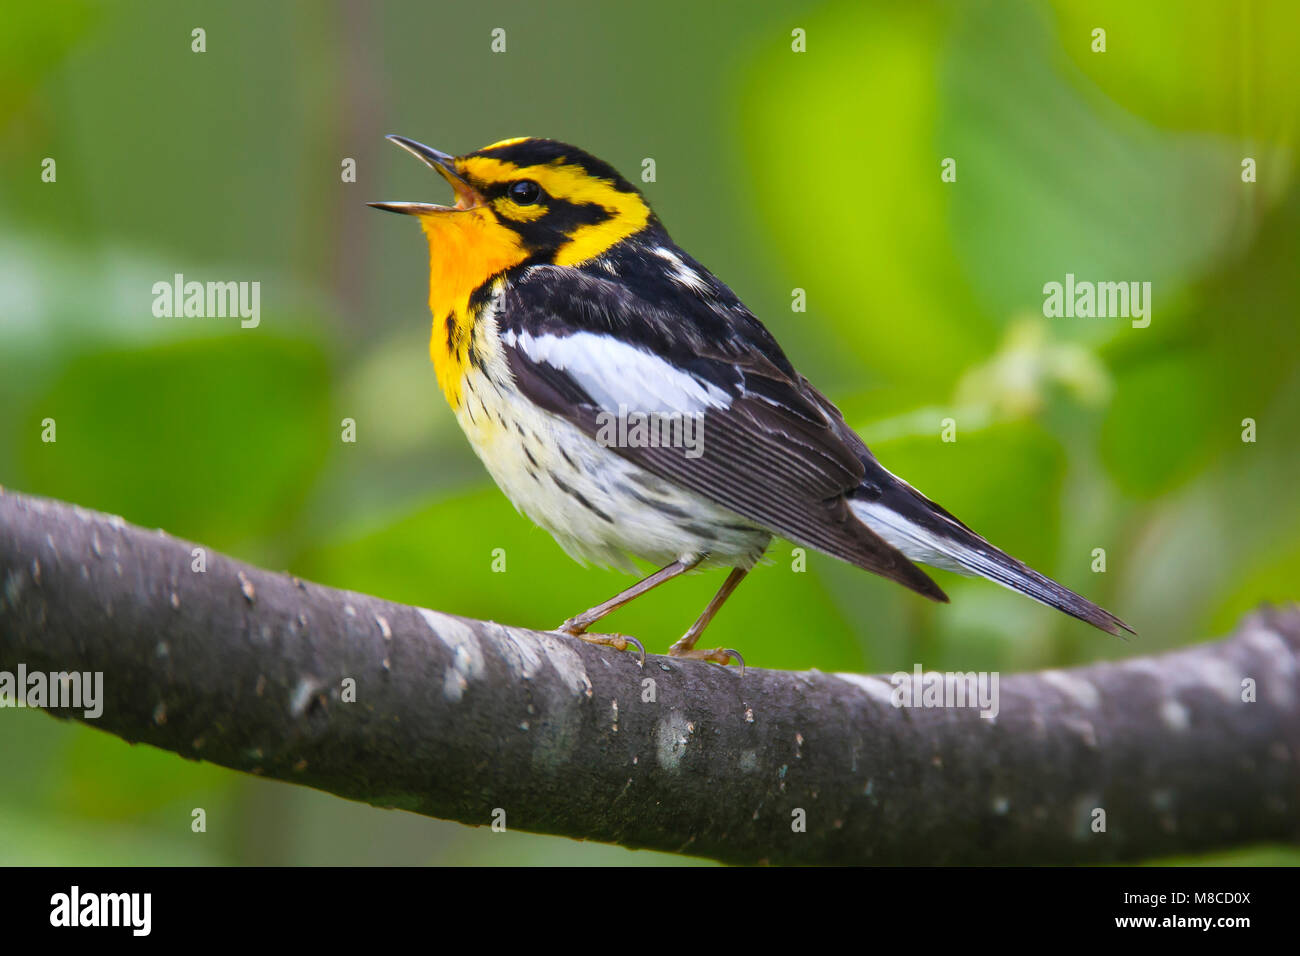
[(587, 349)]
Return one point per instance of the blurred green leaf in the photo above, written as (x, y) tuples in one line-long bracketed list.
[(109, 779), (37, 37), (1161, 424), (846, 175), (1229, 68), (1054, 178), (43, 839), (1268, 578), (211, 439)]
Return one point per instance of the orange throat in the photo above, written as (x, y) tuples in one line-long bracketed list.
[(466, 249)]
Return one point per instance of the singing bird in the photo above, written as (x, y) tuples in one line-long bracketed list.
[(561, 305)]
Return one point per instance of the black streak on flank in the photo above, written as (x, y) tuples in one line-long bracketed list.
[(661, 506), (581, 499), (699, 531)]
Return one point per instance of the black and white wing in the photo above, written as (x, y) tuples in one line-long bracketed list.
[(586, 348)]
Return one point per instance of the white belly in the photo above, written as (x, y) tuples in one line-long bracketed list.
[(600, 507)]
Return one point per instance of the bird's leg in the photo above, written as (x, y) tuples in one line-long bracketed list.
[(685, 647), (577, 625)]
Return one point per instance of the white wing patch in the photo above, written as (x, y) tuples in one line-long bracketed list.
[(616, 374), (680, 271)]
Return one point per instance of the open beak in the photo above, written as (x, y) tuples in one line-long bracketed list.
[(467, 197)]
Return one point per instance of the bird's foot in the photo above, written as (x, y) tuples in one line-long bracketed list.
[(620, 642), (719, 655)]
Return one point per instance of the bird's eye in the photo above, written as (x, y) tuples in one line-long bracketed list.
[(525, 192)]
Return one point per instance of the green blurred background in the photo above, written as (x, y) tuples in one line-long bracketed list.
[(779, 170)]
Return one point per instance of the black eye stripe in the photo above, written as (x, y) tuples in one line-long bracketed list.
[(571, 214), (561, 217)]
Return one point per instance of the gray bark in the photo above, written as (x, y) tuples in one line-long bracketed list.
[(459, 719)]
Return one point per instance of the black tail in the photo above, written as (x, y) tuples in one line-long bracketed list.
[(926, 533)]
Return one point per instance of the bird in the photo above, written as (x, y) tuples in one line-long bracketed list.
[(625, 399)]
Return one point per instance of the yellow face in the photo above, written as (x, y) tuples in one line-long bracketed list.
[(517, 201), (561, 208)]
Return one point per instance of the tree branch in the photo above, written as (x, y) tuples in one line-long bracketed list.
[(456, 718)]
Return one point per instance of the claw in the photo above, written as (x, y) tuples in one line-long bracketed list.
[(619, 642), (719, 655), (640, 647)]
